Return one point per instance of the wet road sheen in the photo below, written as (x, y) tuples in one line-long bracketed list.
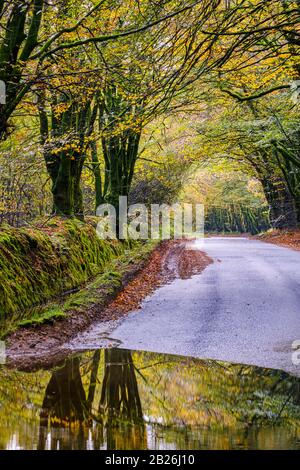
[(244, 308)]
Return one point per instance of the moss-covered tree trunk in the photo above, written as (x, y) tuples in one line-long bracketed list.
[(120, 155), (63, 187), (289, 163), (97, 175), (283, 213), (77, 167), (19, 37), (120, 123), (63, 138), (281, 201)]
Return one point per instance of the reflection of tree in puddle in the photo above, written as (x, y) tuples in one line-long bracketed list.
[(65, 400), (64, 403), (71, 404), (120, 402), (102, 399)]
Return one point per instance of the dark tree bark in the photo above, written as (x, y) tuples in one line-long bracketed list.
[(59, 134), (64, 401), (283, 212), (20, 39), (97, 175), (120, 401)]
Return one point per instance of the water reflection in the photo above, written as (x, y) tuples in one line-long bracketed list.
[(117, 399), (120, 404), (116, 411)]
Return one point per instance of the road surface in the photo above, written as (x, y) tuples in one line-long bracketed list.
[(244, 308)]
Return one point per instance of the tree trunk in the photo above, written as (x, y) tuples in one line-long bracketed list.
[(120, 401), (283, 212), (76, 169), (297, 205), (97, 176), (63, 188)]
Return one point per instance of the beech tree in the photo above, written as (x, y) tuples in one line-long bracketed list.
[(146, 78), (68, 108), (135, 82), (245, 134), (97, 73), (26, 40)]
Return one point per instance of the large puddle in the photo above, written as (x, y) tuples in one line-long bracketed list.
[(118, 399)]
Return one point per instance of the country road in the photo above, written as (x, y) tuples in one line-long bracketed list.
[(244, 308)]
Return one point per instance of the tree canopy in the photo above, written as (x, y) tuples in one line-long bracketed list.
[(98, 90)]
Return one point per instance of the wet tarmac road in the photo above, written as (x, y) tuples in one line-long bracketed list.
[(244, 308)]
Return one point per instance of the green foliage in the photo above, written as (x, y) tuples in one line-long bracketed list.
[(157, 59), (93, 292)]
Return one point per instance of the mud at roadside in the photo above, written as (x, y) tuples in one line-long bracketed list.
[(44, 346)]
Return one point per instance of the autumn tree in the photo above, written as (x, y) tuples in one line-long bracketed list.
[(26, 41), (261, 77), (71, 95), (146, 78)]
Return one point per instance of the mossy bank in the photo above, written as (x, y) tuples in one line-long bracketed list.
[(38, 265)]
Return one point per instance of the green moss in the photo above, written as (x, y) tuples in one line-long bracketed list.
[(94, 292), (48, 316), (37, 265)]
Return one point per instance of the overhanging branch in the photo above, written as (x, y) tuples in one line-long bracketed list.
[(255, 96)]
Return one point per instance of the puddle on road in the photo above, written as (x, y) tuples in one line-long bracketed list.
[(118, 399)]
